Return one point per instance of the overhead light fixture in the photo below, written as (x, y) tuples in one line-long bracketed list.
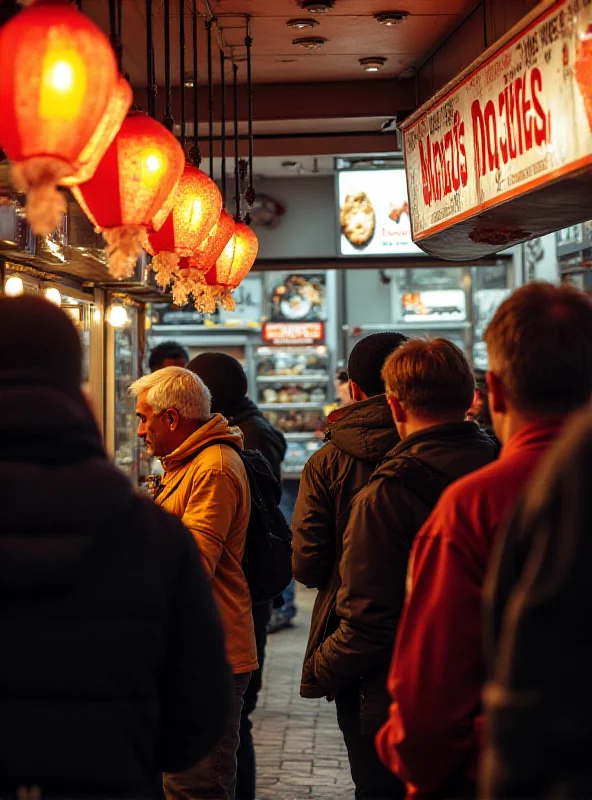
[(14, 286), (188, 81), (117, 315), (391, 18), (317, 7), (372, 63), (302, 23), (52, 295), (310, 42)]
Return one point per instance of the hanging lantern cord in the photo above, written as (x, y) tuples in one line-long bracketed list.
[(115, 13), (210, 98), (237, 216), (195, 152), (151, 88), (250, 194), (168, 120), (223, 124), (182, 69)]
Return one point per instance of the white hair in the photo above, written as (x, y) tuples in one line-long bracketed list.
[(175, 387)]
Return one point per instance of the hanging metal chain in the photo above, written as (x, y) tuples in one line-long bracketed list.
[(250, 194), (115, 29), (237, 216), (223, 124), (168, 120), (195, 152), (210, 98), (151, 88), (182, 69)]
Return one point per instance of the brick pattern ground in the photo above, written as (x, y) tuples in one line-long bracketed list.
[(300, 750)]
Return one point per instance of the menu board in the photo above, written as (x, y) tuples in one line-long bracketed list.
[(374, 213)]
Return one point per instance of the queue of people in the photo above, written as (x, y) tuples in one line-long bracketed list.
[(450, 620)]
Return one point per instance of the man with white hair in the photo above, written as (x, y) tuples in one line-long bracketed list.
[(205, 484)]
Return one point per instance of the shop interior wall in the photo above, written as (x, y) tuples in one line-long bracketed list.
[(308, 228), (488, 22)]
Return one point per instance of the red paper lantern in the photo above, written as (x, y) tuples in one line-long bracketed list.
[(135, 179), (61, 99), (196, 209), (233, 265), (212, 248)]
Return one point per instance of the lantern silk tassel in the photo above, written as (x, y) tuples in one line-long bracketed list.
[(165, 267), (124, 249), (38, 178)]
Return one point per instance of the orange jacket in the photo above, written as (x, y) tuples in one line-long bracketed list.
[(210, 493)]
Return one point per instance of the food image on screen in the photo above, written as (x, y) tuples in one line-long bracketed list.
[(358, 219)]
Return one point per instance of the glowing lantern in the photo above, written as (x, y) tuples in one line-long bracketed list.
[(135, 180), (233, 265), (196, 210), (62, 103)]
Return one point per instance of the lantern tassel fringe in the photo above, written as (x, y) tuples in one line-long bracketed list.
[(165, 266), (38, 178), (125, 247), (191, 282), (223, 296)]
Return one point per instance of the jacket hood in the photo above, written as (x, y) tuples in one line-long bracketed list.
[(58, 492), (248, 412), (364, 430), (216, 428), (452, 449)]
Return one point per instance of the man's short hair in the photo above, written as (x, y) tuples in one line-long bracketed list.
[(164, 351), (539, 344), (175, 387), (430, 378), (367, 360)]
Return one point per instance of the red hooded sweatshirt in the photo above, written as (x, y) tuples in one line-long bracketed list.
[(431, 740)]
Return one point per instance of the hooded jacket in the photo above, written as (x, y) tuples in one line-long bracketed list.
[(112, 667), (358, 438), (259, 434), (210, 493), (385, 517)]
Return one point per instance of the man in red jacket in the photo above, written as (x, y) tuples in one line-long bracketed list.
[(539, 345)]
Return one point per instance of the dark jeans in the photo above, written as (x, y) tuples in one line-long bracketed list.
[(246, 772), (214, 776), (372, 780)]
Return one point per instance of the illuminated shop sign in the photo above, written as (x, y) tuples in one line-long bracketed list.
[(294, 333)]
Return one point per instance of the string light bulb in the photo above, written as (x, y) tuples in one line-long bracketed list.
[(117, 316), (14, 286), (53, 296)]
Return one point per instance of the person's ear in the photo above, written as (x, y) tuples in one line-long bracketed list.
[(398, 412), (497, 394), (172, 418)]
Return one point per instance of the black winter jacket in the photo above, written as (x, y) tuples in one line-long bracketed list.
[(359, 437), (384, 519), (112, 667), (259, 434)]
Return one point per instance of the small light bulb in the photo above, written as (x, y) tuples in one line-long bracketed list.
[(14, 286), (153, 163), (62, 76), (53, 295), (117, 316)]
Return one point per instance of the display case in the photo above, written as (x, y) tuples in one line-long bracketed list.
[(123, 368), (293, 386)]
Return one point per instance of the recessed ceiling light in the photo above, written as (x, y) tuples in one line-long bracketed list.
[(302, 23), (317, 7), (310, 42), (391, 18), (373, 63)]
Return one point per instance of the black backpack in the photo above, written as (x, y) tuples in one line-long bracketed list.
[(268, 554)]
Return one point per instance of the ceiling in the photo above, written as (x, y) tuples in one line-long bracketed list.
[(350, 29)]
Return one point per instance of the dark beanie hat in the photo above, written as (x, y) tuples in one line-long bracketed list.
[(367, 360), (224, 377), (39, 346)]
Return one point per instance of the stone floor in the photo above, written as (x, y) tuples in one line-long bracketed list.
[(300, 750)]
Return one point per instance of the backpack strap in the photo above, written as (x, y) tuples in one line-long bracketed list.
[(188, 460)]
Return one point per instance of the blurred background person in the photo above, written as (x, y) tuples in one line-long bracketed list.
[(342, 390), (167, 354)]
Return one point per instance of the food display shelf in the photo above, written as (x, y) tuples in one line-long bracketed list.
[(304, 378), (296, 406)]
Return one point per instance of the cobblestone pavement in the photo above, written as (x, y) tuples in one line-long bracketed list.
[(300, 750)]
